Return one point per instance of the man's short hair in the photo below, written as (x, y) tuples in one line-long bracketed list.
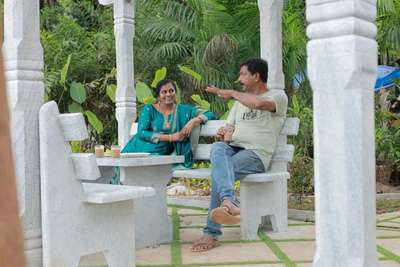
[(257, 65)]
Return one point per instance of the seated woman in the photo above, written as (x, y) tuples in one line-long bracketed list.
[(164, 127)]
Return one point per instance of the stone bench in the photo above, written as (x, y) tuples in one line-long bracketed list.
[(81, 218), (262, 195), (153, 226)]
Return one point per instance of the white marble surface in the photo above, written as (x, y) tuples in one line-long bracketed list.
[(106, 193), (23, 62), (73, 126), (80, 219), (153, 226), (150, 160), (205, 173), (342, 63), (271, 40), (85, 166), (106, 2)]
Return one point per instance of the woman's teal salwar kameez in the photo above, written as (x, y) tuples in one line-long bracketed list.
[(152, 124)]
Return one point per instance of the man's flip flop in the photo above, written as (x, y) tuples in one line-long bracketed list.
[(201, 245), (221, 215)]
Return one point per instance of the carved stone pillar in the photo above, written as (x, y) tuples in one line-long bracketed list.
[(23, 62), (271, 40), (271, 51), (342, 61), (125, 95)]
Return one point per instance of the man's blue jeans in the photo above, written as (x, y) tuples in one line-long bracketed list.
[(227, 165)]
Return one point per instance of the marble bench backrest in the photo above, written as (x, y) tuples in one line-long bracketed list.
[(61, 169), (282, 155)]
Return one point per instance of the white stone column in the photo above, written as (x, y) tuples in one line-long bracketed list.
[(271, 51), (23, 61), (125, 95), (271, 40), (342, 61)]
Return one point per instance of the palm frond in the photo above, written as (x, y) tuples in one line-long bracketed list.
[(385, 6), (219, 50), (388, 22), (246, 19), (171, 50), (180, 12), (293, 44), (393, 36), (167, 29)]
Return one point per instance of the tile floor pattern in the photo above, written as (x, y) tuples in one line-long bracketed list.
[(293, 248)]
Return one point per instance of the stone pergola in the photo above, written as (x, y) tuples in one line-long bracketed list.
[(342, 60)]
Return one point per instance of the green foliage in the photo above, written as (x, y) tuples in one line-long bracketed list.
[(190, 72), (304, 140), (77, 92), (94, 121), (64, 71), (293, 42), (388, 22), (201, 102), (301, 180), (160, 75), (230, 105), (144, 94), (178, 94), (209, 39), (74, 108), (76, 147), (78, 42), (387, 138), (111, 90)]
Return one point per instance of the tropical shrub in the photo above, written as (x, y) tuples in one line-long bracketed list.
[(79, 54), (301, 108), (301, 180), (387, 138), (388, 22)]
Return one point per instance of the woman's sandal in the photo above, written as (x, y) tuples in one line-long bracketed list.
[(204, 244)]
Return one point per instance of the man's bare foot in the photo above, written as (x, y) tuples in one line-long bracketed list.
[(228, 213), (222, 215), (204, 243), (232, 208)]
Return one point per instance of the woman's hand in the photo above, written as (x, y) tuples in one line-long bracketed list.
[(177, 137), (187, 130)]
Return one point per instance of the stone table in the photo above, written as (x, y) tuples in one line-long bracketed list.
[(153, 225)]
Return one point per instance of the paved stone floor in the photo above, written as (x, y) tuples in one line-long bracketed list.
[(293, 248)]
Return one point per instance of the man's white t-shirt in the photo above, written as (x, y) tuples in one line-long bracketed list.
[(258, 130)]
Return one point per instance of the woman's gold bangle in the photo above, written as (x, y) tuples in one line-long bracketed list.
[(170, 138)]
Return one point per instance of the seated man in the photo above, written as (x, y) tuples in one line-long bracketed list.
[(256, 120)]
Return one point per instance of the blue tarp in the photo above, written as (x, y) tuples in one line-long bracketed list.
[(386, 77)]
